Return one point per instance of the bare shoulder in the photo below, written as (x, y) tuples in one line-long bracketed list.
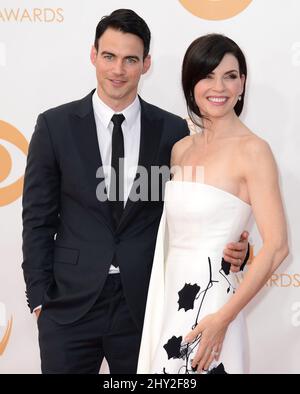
[(184, 143), (256, 152), (255, 146), (180, 147)]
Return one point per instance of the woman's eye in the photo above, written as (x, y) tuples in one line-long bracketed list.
[(232, 76)]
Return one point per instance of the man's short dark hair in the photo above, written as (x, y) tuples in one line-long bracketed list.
[(126, 21)]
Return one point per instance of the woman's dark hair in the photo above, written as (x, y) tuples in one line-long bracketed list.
[(201, 58), (126, 21)]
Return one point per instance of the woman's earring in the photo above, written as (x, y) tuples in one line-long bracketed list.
[(240, 98)]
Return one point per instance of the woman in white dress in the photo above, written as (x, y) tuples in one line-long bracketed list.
[(194, 320)]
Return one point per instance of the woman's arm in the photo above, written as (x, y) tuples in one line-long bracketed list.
[(265, 198), (262, 182)]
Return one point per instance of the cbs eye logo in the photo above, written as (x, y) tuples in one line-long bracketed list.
[(215, 9), (12, 192)]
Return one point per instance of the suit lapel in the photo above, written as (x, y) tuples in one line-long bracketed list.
[(151, 132), (85, 136)]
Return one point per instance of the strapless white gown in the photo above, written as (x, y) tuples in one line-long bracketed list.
[(190, 280)]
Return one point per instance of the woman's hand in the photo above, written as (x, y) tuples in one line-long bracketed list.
[(212, 330)]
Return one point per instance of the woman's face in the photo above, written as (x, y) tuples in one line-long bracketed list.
[(217, 94)]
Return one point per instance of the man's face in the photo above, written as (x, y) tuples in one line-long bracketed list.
[(119, 65)]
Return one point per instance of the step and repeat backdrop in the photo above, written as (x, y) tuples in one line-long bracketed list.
[(44, 61)]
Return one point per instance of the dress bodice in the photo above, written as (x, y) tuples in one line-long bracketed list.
[(202, 217)]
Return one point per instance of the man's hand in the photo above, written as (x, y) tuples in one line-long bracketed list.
[(38, 312), (235, 253)]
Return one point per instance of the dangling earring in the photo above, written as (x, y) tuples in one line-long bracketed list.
[(240, 98)]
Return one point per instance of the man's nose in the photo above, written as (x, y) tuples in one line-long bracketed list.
[(118, 67)]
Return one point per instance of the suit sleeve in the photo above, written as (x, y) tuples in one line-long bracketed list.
[(185, 128), (41, 200)]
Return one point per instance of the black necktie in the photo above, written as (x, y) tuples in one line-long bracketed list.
[(117, 182)]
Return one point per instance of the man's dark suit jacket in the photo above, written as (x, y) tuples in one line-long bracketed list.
[(68, 236)]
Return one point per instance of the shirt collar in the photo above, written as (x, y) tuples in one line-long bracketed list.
[(105, 113)]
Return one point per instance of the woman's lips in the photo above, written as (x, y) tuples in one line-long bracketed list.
[(217, 100)]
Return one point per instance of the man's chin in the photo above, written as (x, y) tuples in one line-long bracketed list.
[(120, 96), (116, 95)]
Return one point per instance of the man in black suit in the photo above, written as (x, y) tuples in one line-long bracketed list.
[(87, 259)]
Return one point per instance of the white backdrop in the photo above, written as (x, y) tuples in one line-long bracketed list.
[(44, 61)]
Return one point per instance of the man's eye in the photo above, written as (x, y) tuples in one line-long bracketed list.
[(131, 60)]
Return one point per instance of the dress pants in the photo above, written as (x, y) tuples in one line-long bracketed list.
[(107, 330)]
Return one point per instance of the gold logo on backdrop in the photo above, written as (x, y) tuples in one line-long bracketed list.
[(282, 280), (6, 336), (9, 133), (215, 9), (36, 15)]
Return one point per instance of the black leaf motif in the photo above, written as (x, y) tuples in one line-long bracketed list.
[(225, 267), (219, 370), (187, 296), (228, 290), (172, 347)]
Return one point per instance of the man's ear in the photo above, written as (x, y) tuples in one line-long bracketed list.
[(147, 64), (93, 55)]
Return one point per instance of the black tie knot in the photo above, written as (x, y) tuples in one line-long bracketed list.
[(118, 119)]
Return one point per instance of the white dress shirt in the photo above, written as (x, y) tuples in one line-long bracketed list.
[(132, 134)]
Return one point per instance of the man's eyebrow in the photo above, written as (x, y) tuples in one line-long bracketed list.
[(126, 57), (107, 53), (132, 57)]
